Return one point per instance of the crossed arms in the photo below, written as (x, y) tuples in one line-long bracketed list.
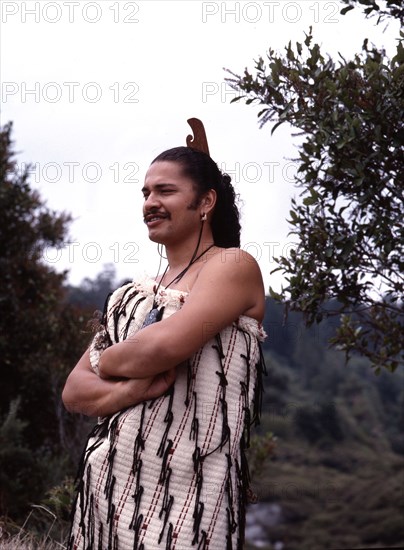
[(142, 367)]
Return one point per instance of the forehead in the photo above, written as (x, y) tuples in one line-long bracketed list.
[(166, 172)]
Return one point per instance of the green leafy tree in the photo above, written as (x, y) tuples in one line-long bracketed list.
[(41, 337), (383, 9), (350, 116), (30, 292), (17, 464)]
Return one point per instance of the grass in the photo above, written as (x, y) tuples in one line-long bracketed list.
[(27, 541), (26, 537)]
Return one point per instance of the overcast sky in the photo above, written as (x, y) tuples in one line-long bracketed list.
[(97, 89)]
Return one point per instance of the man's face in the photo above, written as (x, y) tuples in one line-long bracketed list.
[(169, 206)]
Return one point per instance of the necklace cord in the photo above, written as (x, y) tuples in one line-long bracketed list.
[(192, 261), (155, 314)]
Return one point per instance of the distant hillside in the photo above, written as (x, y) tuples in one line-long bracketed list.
[(337, 474)]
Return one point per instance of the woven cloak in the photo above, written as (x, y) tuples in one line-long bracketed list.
[(171, 473)]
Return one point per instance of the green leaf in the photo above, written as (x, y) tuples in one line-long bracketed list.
[(277, 126), (308, 201), (275, 295), (346, 10)]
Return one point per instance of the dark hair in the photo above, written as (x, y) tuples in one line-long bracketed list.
[(206, 175)]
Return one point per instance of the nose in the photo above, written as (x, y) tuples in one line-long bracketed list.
[(151, 201)]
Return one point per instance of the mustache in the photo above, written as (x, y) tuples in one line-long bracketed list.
[(155, 212)]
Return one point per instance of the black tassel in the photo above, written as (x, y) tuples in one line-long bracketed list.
[(199, 506), (243, 483), (261, 371), (232, 525), (169, 537), (225, 436), (229, 540), (138, 447), (166, 511), (111, 525), (136, 525), (203, 544), (246, 410), (164, 469), (100, 536), (111, 479), (119, 310), (108, 488), (223, 383), (168, 500), (105, 310), (193, 434), (131, 317), (111, 505), (168, 419)]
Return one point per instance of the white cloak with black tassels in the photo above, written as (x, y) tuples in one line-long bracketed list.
[(171, 473)]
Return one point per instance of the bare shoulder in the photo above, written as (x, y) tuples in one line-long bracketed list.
[(233, 274), (233, 262)]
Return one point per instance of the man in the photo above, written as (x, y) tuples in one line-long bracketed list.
[(165, 466)]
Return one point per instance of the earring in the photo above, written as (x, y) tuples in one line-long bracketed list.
[(204, 217)]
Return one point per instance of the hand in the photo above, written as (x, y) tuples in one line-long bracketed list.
[(144, 389)]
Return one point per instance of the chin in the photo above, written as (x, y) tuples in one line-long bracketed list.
[(156, 239)]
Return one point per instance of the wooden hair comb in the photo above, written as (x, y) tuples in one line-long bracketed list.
[(198, 141)]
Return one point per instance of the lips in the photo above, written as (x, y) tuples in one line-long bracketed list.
[(154, 217)]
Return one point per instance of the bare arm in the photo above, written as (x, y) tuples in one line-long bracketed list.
[(86, 393), (227, 286)]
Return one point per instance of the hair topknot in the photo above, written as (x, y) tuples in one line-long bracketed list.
[(206, 175)]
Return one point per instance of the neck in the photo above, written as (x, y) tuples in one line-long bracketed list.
[(179, 255), (177, 259)]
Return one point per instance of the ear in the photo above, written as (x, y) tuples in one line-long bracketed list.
[(208, 202)]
